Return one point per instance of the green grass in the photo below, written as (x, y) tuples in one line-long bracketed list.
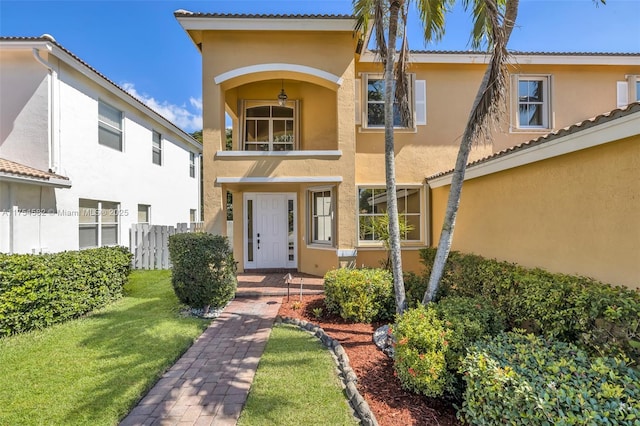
[(94, 369), (296, 383)]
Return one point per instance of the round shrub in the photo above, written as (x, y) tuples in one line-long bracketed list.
[(204, 271), (422, 342), (432, 341), (360, 295), (528, 380)]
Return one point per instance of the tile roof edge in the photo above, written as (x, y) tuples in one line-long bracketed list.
[(30, 172), (187, 14)]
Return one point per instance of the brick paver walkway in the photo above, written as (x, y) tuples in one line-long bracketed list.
[(210, 383)]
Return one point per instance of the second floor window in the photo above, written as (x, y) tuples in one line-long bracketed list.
[(374, 85), (533, 102), (156, 148), (192, 165), (269, 127), (109, 126)]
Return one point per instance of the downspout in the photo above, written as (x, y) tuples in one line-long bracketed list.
[(12, 218), (53, 124)]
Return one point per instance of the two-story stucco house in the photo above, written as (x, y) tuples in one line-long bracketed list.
[(306, 171), (81, 159)]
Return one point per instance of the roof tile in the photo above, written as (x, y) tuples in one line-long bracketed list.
[(17, 169)]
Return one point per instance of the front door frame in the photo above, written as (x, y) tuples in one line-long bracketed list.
[(290, 255)]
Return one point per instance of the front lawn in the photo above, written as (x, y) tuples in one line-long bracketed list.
[(94, 369), (296, 383)]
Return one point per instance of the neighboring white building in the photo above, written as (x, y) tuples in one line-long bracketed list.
[(80, 158)]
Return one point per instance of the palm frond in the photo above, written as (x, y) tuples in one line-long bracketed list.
[(499, 16), (432, 16)]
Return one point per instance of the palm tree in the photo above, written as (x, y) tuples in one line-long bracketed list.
[(386, 15), (493, 22)]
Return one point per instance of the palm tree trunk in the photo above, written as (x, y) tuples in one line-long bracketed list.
[(389, 160), (489, 94)]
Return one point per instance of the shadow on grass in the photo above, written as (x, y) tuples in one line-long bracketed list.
[(134, 342), (216, 372)]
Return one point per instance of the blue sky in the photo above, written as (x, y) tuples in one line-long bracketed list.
[(140, 46)]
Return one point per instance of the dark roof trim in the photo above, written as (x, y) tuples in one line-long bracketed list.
[(523, 53), (186, 14)]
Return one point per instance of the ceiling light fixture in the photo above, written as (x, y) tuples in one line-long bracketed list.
[(282, 97)]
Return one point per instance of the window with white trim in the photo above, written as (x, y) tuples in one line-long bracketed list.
[(268, 126), (372, 213), (144, 211), (193, 217), (156, 148), (533, 102), (98, 223), (628, 91), (109, 126), (321, 224), (373, 102), (192, 164)]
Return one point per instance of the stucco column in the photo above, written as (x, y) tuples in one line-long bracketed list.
[(346, 133), (213, 140)]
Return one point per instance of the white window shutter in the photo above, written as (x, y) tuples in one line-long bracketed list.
[(357, 103), (623, 94), (421, 102)]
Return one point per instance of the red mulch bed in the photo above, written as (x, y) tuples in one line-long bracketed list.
[(391, 404)]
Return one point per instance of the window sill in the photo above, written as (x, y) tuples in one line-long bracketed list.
[(413, 245), (530, 130), (362, 129), (278, 154), (317, 246)]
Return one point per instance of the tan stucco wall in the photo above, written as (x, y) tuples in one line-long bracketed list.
[(374, 258), (327, 123), (577, 213)]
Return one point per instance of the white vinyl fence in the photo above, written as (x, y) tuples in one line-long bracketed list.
[(150, 243)]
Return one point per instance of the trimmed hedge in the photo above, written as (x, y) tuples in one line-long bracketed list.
[(527, 380), (37, 291), (603, 319), (204, 271), (360, 295)]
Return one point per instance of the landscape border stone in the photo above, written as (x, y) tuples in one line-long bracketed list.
[(345, 372)]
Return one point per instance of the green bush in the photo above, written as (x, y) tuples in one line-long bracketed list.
[(468, 319), (414, 286), (432, 341), (527, 380), (204, 271), (420, 351), (360, 295), (37, 291), (598, 317)]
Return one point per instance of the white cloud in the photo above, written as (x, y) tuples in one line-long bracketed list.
[(183, 117)]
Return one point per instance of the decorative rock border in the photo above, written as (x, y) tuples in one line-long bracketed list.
[(345, 372)]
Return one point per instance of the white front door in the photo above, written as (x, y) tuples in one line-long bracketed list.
[(270, 231)]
